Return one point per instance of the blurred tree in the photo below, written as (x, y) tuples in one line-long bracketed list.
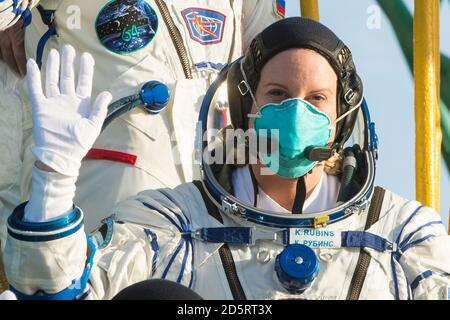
[(402, 21)]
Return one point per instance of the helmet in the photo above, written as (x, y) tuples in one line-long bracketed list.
[(216, 177), (237, 79), (297, 265)]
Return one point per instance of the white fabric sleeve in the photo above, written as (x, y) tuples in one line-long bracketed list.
[(51, 196), (142, 240), (144, 243), (424, 254), (258, 14), (48, 266)]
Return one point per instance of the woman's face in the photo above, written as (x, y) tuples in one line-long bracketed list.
[(299, 73)]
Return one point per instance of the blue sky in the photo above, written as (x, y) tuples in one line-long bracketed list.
[(389, 88)]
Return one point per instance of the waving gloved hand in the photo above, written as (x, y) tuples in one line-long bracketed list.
[(65, 123)]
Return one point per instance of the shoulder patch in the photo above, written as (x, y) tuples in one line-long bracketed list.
[(205, 26), (280, 8), (126, 26)]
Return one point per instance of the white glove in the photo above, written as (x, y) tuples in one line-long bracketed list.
[(51, 196), (65, 124), (10, 13), (7, 295)]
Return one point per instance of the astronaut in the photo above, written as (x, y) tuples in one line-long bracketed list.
[(156, 57), (297, 218)]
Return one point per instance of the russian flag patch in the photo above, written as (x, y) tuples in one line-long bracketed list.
[(280, 8)]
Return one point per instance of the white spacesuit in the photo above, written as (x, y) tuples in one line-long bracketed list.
[(204, 235), (181, 44), (149, 237)]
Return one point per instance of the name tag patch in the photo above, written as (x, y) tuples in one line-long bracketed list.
[(315, 238), (125, 26)]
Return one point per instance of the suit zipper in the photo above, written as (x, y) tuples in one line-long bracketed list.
[(224, 252), (362, 266), (231, 273), (177, 40), (359, 276)]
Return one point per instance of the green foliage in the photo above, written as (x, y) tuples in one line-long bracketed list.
[(402, 22)]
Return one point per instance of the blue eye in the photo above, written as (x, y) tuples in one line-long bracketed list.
[(277, 93), (318, 98)]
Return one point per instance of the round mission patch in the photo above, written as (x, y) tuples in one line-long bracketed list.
[(125, 26)]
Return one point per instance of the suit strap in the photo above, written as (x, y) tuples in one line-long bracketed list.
[(225, 253), (362, 266)]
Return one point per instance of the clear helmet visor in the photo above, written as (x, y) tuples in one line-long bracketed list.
[(220, 146)]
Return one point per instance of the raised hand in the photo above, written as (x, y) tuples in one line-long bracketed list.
[(65, 122)]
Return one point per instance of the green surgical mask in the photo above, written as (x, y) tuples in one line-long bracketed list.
[(297, 125)]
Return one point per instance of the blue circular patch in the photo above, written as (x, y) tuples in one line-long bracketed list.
[(125, 26)]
